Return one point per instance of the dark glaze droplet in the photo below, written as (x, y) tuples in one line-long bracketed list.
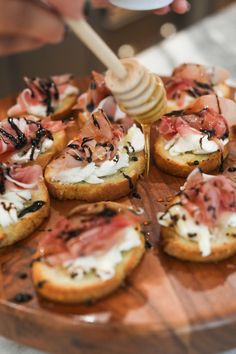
[(90, 107), (41, 284), (134, 158), (21, 298), (108, 213), (232, 169), (22, 275), (32, 208), (136, 195)]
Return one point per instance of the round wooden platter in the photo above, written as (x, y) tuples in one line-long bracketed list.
[(165, 306)]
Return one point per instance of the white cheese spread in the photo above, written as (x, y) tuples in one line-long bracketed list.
[(92, 173), (24, 156), (104, 264), (10, 204), (195, 143), (186, 227)]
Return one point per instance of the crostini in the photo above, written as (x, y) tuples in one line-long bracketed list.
[(103, 163), (54, 97), (88, 254), (28, 140), (98, 96), (197, 136), (190, 81), (24, 202), (200, 223)]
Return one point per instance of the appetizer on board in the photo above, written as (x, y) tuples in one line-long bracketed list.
[(54, 97), (197, 136), (190, 81), (103, 162), (24, 202), (28, 140), (200, 223), (88, 254)]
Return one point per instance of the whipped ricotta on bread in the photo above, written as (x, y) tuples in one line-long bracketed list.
[(190, 81), (88, 253), (204, 212), (23, 139), (16, 186), (43, 97), (100, 150), (104, 264), (199, 130), (91, 241)]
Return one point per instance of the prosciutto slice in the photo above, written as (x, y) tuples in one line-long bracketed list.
[(14, 177), (194, 80), (206, 197), (85, 233), (43, 92), (97, 141), (96, 92), (205, 121), (20, 133)]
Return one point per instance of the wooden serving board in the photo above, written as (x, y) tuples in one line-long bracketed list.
[(165, 307)]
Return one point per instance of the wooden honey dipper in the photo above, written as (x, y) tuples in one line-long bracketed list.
[(139, 93)]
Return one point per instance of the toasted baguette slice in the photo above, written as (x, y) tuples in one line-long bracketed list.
[(56, 284), (64, 108), (183, 164), (60, 140), (114, 186), (188, 250), (28, 223)]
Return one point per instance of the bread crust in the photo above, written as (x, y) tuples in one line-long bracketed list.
[(184, 164), (29, 223), (114, 187), (188, 250), (55, 284)]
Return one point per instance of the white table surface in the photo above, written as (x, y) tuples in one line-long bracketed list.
[(212, 41)]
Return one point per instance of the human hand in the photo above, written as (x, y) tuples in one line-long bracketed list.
[(27, 24), (179, 6)]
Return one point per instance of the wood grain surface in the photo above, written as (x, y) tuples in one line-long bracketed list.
[(165, 306)]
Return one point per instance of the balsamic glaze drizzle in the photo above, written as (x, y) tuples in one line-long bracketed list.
[(32, 208), (20, 140), (232, 169), (21, 298), (40, 134), (2, 180)]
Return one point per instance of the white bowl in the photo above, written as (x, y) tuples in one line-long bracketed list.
[(141, 4)]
